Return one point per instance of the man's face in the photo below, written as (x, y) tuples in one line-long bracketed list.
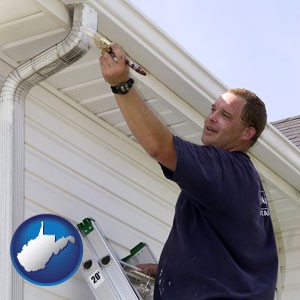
[(224, 127)]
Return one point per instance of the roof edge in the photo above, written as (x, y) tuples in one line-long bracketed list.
[(279, 154)]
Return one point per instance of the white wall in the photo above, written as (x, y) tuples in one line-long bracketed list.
[(77, 167), (289, 250)]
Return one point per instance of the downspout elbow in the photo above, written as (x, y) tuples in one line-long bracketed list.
[(52, 60)]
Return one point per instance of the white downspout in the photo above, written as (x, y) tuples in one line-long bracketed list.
[(12, 150)]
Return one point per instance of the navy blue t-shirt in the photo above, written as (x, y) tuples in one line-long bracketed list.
[(221, 245)]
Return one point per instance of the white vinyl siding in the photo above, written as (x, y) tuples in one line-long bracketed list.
[(76, 168)]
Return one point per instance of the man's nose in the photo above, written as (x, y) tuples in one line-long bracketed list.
[(213, 116)]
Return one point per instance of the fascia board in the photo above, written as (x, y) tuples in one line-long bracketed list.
[(279, 154)]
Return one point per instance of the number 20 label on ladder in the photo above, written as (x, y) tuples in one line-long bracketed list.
[(96, 279)]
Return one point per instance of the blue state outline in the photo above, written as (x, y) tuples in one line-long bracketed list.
[(40, 218)]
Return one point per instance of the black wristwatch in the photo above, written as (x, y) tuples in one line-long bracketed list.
[(123, 87)]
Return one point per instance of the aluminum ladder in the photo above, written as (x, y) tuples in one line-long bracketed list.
[(108, 277)]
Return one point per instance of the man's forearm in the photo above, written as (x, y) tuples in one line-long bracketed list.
[(149, 131)]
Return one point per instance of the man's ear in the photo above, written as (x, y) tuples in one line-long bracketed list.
[(248, 133)]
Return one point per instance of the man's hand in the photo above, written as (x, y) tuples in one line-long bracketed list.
[(113, 66), (147, 128), (149, 269)]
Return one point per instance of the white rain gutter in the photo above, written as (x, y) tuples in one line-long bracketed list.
[(275, 151), (12, 148)]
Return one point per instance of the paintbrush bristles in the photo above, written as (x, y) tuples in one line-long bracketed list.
[(102, 43), (99, 41)]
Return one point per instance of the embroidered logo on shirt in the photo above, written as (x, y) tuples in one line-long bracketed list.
[(264, 206)]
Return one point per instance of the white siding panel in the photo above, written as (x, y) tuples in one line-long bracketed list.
[(289, 249), (291, 239), (61, 203), (291, 292), (290, 256), (72, 289), (291, 275), (77, 167)]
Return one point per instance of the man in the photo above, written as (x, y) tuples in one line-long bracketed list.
[(221, 245)]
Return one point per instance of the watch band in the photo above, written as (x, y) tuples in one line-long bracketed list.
[(123, 87)]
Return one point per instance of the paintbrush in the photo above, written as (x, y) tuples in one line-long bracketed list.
[(104, 44)]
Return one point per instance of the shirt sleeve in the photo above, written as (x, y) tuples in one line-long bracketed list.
[(198, 173)]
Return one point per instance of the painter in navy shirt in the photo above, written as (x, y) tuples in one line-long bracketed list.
[(222, 243)]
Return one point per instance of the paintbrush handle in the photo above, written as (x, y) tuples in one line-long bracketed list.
[(136, 67)]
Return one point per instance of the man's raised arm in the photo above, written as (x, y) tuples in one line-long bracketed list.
[(149, 131)]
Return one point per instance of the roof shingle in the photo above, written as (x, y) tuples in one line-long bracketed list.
[(290, 128)]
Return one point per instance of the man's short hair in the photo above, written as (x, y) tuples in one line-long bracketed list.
[(254, 113)]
